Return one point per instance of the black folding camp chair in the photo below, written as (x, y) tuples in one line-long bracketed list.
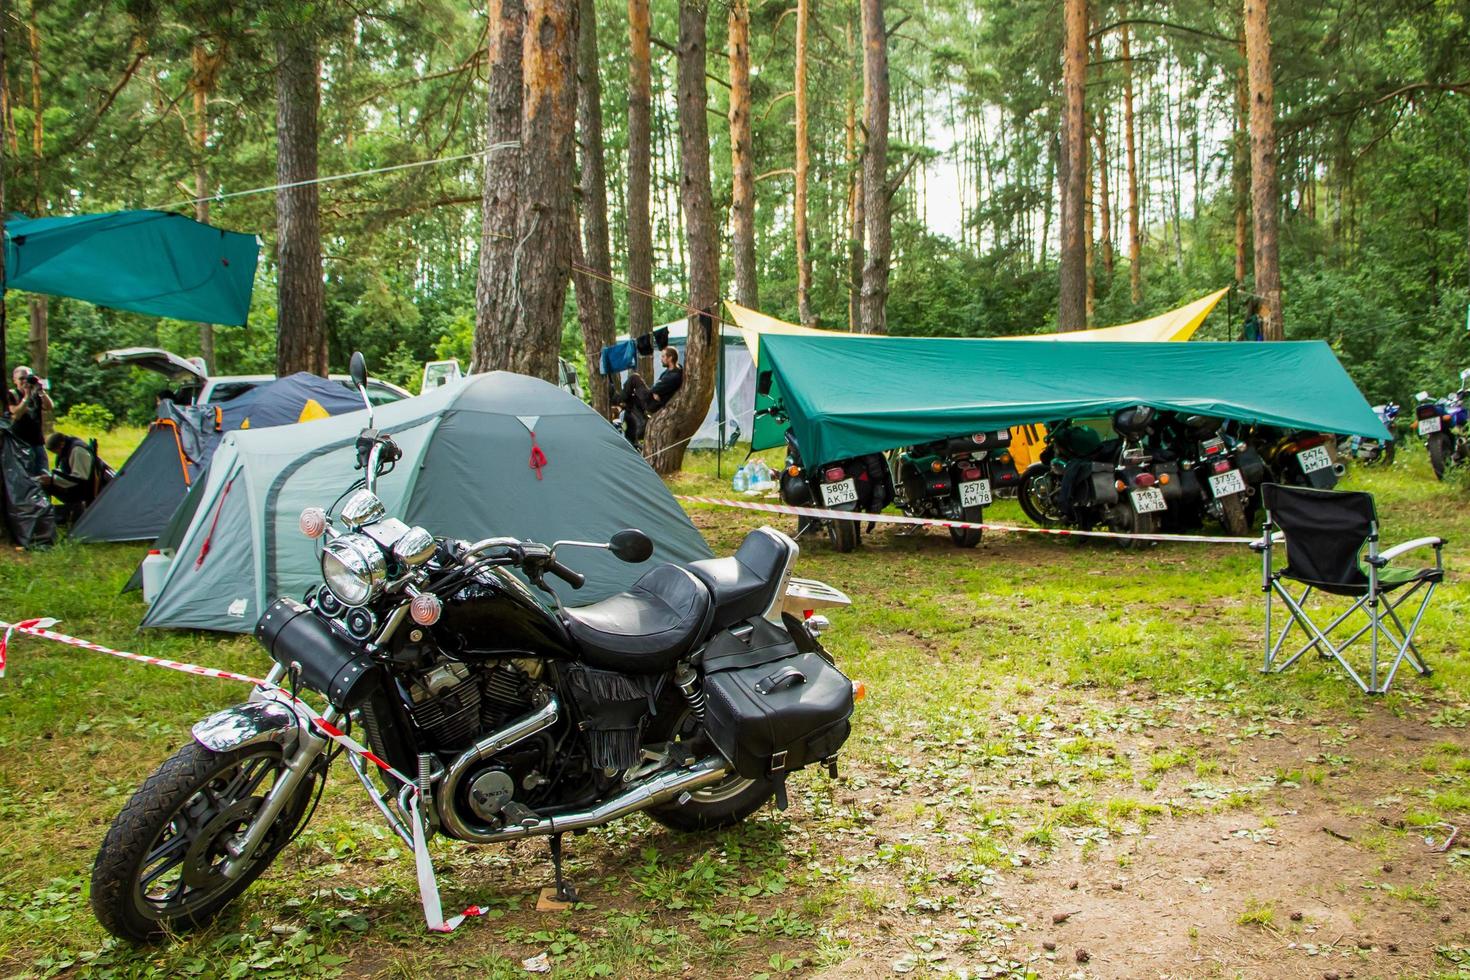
[(1326, 533)]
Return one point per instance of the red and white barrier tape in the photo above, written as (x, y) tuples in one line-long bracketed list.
[(848, 515), (423, 864)]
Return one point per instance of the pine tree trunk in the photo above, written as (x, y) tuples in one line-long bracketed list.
[(640, 227), (496, 311), (1266, 204), (301, 339), (803, 165), (1087, 222), (1104, 195), (39, 307), (1240, 169), (854, 206), (201, 83), (670, 429), (594, 295), (1072, 271), (1135, 270), (742, 158), (545, 226), (876, 192)]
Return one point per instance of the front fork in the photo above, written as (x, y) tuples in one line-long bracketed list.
[(299, 762)]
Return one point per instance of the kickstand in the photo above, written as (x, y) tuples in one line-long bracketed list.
[(564, 891)]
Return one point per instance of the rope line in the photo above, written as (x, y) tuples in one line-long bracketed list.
[(333, 178)]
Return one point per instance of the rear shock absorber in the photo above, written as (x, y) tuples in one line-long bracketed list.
[(687, 680)]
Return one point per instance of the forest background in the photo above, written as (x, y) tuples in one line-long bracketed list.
[(156, 102)]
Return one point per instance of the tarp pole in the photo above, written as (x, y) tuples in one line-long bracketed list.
[(720, 407)]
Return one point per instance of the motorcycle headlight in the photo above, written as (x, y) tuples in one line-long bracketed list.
[(354, 568)]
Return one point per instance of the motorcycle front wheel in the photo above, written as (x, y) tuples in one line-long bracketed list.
[(1034, 494), (160, 867), (715, 807)]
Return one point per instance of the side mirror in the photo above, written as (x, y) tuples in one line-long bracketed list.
[(631, 545), (763, 383), (358, 369)]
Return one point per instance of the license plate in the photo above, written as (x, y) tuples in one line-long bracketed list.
[(841, 492), (975, 493), (1148, 500), (1426, 426), (1224, 484), (1314, 459)]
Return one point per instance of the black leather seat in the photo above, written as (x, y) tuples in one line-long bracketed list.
[(646, 629), (745, 584)]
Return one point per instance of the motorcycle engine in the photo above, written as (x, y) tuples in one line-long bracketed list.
[(452, 703)]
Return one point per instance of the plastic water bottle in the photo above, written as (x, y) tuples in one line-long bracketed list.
[(742, 480)]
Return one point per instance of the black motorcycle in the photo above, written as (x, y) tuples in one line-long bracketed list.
[(1218, 473), (859, 485), (954, 479), (690, 697), (1297, 457), (1084, 481)]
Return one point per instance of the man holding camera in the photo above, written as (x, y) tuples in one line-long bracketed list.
[(24, 404)]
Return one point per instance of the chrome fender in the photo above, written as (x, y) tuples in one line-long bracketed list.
[(249, 724)]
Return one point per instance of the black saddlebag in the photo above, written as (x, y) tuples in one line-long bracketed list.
[(772, 709)]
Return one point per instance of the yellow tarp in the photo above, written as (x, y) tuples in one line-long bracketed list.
[(1177, 324), (1027, 441)]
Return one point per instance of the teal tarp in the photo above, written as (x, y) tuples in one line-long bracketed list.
[(149, 262), (847, 395)]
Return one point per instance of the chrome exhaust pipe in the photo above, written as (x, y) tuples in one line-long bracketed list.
[(648, 793), (1339, 469), (498, 741)]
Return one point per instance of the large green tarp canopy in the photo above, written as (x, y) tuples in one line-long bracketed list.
[(847, 395), (150, 262)]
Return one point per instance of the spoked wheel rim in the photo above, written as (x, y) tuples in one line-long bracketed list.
[(687, 731), (183, 867), (1038, 490)]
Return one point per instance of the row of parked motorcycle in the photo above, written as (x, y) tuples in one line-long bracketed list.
[(1155, 472), (1440, 422)]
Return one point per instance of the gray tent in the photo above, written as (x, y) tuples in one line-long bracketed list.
[(137, 504), (466, 472)]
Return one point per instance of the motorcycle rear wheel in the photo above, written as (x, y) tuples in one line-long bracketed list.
[(1135, 523), (843, 534), (1437, 455), (716, 807), (1232, 516), (158, 870), (967, 537)]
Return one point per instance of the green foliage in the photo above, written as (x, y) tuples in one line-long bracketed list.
[(86, 417)]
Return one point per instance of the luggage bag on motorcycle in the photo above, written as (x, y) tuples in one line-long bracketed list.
[(770, 708)]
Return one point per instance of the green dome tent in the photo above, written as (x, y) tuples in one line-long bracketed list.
[(466, 472)]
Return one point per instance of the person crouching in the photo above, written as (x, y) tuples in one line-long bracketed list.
[(73, 481)]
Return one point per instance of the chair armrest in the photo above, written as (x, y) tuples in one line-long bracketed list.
[(1261, 543), (1384, 557)]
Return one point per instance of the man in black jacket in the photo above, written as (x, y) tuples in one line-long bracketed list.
[(639, 401), (24, 404)]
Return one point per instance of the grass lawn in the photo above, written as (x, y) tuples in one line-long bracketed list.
[(1067, 764)]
